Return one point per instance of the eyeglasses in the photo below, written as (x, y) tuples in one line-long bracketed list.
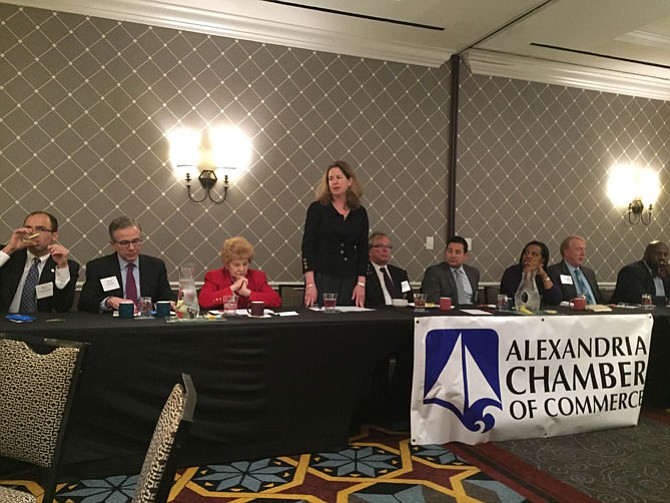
[(389, 247), (38, 229), (125, 243)]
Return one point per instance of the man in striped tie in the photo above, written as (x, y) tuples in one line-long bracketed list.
[(36, 274), (570, 274)]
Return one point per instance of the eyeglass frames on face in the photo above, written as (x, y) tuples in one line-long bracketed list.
[(126, 243), (388, 247)]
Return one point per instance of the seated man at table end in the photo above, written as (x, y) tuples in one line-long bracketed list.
[(384, 281), (570, 274), (36, 274), (649, 275), (125, 274), (452, 277)]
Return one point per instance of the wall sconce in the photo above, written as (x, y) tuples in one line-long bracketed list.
[(207, 179), (635, 188), (221, 150)]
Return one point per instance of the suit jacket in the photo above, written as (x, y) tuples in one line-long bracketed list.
[(374, 295), (153, 281), (10, 276), (635, 279), (217, 287), (438, 281), (569, 292)]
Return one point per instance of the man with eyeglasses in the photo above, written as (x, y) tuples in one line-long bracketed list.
[(124, 275), (36, 274), (384, 281)]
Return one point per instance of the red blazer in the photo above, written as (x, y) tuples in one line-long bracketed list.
[(217, 286)]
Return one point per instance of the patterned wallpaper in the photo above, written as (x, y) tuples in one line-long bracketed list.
[(533, 161), (85, 103)]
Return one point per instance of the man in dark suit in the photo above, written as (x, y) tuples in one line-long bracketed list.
[(649, 275), (384, 281), (452, 278), (570, 274), (35, 272), (125, 274)]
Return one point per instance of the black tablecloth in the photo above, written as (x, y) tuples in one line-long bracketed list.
[(265, 386)]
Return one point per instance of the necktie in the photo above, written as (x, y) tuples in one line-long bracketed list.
[(462, 297), (390, 287), (131, 287), (583, 288), (28, 298)]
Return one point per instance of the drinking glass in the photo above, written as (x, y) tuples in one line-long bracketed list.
[(419, 302), (330, 302)]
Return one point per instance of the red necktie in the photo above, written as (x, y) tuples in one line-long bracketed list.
[(131, 287)]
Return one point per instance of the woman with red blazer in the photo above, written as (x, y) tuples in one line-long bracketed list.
[(235, 278)]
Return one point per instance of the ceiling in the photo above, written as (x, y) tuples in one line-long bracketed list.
[(611, 45)]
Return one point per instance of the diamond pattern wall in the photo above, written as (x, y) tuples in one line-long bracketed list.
[(85, 103), (533, 161)]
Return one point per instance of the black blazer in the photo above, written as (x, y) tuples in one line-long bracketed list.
[(635, 279), (438, 281), (334, 245), (374, 295), (10, 276), (569, 292), (153, 281)]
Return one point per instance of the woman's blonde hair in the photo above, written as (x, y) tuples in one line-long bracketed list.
[(236, 248), (354, 193)]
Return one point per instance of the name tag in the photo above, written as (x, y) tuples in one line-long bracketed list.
[(44, 290), (110, 283), (566, 279), (404, 287)]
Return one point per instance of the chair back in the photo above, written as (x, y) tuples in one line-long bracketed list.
[(160, 462), (36, 393)]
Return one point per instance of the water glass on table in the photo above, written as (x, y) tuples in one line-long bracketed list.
[(230, 305), (144, 307), (647, 301)]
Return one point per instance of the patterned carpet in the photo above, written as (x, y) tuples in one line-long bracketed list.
[(624, 465), (378, 467)]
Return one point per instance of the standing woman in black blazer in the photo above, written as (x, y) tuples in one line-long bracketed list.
[(334, 243)]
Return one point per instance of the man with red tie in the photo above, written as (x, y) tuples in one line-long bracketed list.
[(126, 274), (384, 281)]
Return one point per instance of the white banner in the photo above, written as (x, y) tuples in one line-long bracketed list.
[(486, 378)]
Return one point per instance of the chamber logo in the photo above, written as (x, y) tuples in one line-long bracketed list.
[(462, 374)]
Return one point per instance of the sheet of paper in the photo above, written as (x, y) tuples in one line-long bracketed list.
[(476, 312)]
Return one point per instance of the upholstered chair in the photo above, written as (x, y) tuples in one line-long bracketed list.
[(160, 462), (36, 391)]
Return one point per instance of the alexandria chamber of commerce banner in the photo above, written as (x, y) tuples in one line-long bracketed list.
[(485, 378)]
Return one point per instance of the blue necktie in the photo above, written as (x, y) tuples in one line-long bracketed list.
[(584, 289), (458, 277), (28, 297)]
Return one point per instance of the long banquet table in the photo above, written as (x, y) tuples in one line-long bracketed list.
[(265, 386)]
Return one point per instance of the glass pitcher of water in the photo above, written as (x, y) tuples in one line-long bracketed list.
[(187, 306)]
